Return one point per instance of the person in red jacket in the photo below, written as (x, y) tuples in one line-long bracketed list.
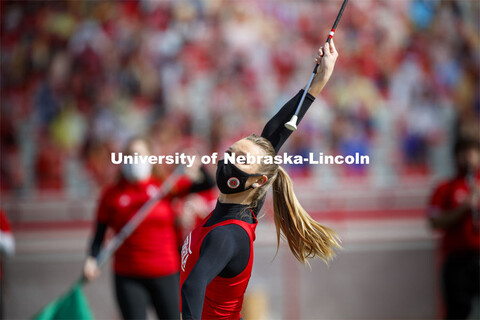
[(453, 210), (147, 264), (7, 249), (217, 256)]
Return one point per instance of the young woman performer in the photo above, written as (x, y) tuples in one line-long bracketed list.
[(217, 256), (147, 264)]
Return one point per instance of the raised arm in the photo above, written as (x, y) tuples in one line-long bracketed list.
[(275, 130)]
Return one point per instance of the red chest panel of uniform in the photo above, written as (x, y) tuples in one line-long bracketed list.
[(151, 250), (223, 296)]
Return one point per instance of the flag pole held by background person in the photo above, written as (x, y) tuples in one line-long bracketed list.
[(74, 304)]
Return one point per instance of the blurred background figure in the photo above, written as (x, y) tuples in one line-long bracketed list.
[(453, 210), (146, 265), (7, 249)]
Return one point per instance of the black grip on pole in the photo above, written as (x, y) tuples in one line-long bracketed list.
[(344, 4), (335, 24)]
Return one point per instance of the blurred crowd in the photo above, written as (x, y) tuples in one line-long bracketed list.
[(79, 78)]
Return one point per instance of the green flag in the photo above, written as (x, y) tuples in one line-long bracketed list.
[(72, 305)]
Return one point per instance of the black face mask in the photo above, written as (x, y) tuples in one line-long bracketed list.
[(230, 179)]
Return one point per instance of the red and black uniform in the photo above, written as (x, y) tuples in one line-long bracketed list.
[(461, 237), (5, 232), (460, 247), (7, 247), (223, 296), (147, 264), (218, 255)]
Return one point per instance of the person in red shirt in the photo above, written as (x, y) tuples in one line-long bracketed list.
[(7, 249), (453, 210), (147, 264), (217, 256)]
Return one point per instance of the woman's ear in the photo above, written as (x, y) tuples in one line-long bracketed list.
[(261, 181)]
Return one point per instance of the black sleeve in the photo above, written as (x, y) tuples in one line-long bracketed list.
[(221, 253), (275, 130), (97, 241), (206, 183)]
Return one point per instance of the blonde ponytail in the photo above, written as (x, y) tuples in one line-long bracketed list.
[(306, 238)]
